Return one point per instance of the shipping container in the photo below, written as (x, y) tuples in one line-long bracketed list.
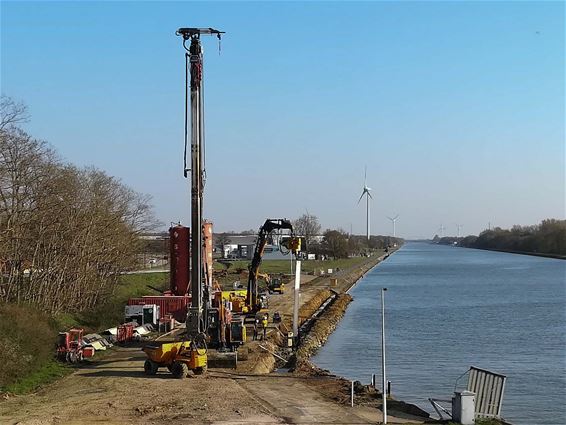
[(168, 304)]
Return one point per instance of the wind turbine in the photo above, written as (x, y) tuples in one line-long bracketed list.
[(393, 220), (368, 196), (459, 228), (441, 229)]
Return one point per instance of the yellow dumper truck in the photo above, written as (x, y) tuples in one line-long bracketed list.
[(178, 357)]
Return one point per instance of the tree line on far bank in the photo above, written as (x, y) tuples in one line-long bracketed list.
[(335, 243), (65, 232), (548, 237)]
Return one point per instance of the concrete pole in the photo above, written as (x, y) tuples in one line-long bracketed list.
[(296, 303), (352, 394), (384, 383)]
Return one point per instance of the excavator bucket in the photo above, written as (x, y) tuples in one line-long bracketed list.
[(222, 360)]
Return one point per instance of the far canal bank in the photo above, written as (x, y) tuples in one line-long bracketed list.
[(448, 309), (534, 254)]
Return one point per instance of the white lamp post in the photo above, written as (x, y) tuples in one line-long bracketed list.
[(384, 383)]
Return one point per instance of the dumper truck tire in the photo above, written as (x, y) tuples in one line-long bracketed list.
[(150, 368), (199, 370), (179, 370)]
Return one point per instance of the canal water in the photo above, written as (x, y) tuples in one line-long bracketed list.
[(449, 308)]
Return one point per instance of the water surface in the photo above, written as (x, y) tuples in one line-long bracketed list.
[(449, 308)]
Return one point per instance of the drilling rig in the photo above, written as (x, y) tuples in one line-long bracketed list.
[(191, 353)]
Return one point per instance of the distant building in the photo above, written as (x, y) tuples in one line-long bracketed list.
[(241, 247), (155, 236), (237, 246)]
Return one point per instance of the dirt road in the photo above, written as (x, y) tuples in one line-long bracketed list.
[(116, 391)]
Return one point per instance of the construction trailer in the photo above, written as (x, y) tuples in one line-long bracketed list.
[(142, 314)]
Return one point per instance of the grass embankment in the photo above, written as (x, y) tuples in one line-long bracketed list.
[(28, 336), (284, 266), (238, 270)]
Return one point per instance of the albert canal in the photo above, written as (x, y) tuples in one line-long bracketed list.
[(449, 308)]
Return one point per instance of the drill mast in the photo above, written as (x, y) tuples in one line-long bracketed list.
[(194, 68)]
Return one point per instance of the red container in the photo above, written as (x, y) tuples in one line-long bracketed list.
[(125, 333), (179, 240), (168, 304), (88, 352)]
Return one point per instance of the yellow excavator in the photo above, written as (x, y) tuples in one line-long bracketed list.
[(254, 302), (274, 284)]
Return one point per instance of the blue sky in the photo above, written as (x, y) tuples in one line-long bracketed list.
[(456, 108)]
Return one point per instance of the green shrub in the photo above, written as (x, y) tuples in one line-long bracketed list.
[(27, 342)]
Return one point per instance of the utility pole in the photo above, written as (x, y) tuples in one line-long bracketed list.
[(194, 85), (384, 379), (296, 301)]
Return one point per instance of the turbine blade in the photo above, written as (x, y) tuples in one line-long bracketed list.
[(365, 174), (362, 195), (369, 194)]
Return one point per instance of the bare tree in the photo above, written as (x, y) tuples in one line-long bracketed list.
[(11, 112), (307, 226), (65, 233)]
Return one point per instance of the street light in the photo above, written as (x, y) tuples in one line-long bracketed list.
[(384, 383)]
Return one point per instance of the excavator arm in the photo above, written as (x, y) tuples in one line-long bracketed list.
[(269, 226)]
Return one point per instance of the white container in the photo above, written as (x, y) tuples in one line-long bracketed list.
[(464, 407)]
